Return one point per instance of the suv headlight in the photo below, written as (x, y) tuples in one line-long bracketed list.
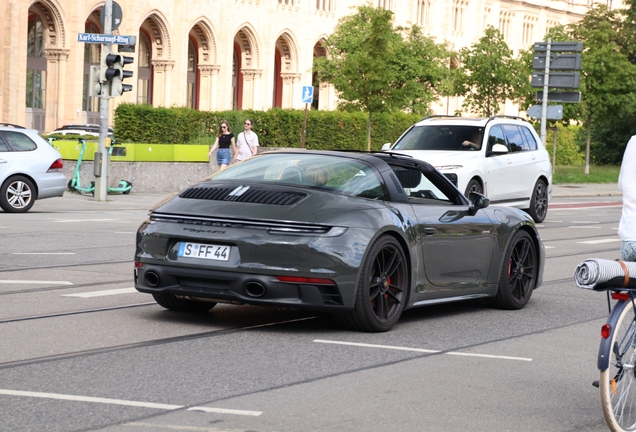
[(448, 167)]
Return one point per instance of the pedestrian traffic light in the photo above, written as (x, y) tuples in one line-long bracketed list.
[(112, 73), (94, 86)]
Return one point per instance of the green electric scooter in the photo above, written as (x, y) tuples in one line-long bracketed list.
[(124, 186), (74, 183)]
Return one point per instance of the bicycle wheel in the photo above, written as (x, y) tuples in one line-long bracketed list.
[(618, 382)]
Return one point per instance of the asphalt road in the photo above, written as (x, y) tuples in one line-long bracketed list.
[(81, 350)]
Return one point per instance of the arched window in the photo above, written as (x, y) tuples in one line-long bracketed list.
[(36, 64), (144, 70), (92, 54), (192, 75)]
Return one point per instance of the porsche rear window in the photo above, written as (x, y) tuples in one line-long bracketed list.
[(345, 175)]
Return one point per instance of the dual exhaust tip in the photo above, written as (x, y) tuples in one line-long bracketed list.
[(253, 289)]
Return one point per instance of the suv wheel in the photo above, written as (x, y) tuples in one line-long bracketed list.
[(539, 202), (474, 186)]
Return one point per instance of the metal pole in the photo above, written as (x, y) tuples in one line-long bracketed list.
[(101, 182), (304, 126), (544, 105)]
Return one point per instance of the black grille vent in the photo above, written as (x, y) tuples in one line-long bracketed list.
[(252, 195)]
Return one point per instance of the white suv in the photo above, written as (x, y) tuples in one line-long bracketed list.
[(501, 157)]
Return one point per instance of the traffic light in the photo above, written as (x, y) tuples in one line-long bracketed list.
[(94, 86), (117, 87), (112, 73)]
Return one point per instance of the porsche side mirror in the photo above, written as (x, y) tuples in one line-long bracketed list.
[(386, 146), (477, 201)]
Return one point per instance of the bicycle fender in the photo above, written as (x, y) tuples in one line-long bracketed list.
[(606, 344)]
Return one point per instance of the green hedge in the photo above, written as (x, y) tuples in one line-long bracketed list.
[(275, 128)]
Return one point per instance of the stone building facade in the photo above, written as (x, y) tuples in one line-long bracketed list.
[(219, 54)]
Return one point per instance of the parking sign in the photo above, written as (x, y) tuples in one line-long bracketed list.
[(308, 94)]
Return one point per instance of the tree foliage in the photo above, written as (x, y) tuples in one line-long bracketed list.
[(376, 67), (489, 74)]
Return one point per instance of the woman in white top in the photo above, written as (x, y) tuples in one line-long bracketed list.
[(627, 184), (246, 143)]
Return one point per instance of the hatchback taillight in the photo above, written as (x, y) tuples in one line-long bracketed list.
[(56, 166)]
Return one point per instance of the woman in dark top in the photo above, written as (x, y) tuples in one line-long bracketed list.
[(223, 141)]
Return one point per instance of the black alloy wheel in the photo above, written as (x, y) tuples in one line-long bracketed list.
[(17, 195), (539, 202), (473, 186), (518, 274), (382, 290)]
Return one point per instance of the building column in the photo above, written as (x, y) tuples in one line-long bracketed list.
[(161, 82), (290, 81), (324, 96), (251, 79), (55, 90), (208, 90)]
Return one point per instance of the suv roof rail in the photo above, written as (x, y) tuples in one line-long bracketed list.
[(437, 116), (2, 124), (504, 116)]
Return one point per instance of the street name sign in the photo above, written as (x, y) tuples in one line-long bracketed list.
[(559, 46), (106, 39), (567, 97), (566, 80), (558, 62), (555, 112)]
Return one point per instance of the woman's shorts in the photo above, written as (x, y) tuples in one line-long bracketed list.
[(223, 156), (628, 251)]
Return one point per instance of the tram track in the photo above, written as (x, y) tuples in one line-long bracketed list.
[(144, 344)]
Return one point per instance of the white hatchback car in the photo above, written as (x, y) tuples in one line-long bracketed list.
[(30, 169), (501, 157)]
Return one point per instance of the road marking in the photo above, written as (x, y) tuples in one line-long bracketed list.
[(43, 253), (456, 353), (109, 401), (226, 411), (549, 247), (124, 232), (36, 282), (89, 399), (102, 293), (86, 220), (585, 222), (600, 241), (584, 226), (181, 428)]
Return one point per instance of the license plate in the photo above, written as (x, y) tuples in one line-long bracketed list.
[(205, 251)]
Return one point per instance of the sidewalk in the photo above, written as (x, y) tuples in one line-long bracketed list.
[(585, 190)]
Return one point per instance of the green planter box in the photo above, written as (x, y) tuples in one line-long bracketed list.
[(137, 152), (191, 153), (70, 149), (154, 152), (123, 153)]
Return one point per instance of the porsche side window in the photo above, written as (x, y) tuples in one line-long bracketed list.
[(19, 141), (419, 188)]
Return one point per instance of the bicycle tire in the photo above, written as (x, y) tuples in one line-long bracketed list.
[(618, 381)]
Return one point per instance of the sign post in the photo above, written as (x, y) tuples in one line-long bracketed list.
[(101, 181), (563, 80), (307, 99)]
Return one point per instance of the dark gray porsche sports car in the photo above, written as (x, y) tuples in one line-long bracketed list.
[(363, 236)]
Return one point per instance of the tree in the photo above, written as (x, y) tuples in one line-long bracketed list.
[(378, 68), (488, 74)]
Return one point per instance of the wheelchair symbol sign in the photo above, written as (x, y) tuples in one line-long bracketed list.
[(308, 94)]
